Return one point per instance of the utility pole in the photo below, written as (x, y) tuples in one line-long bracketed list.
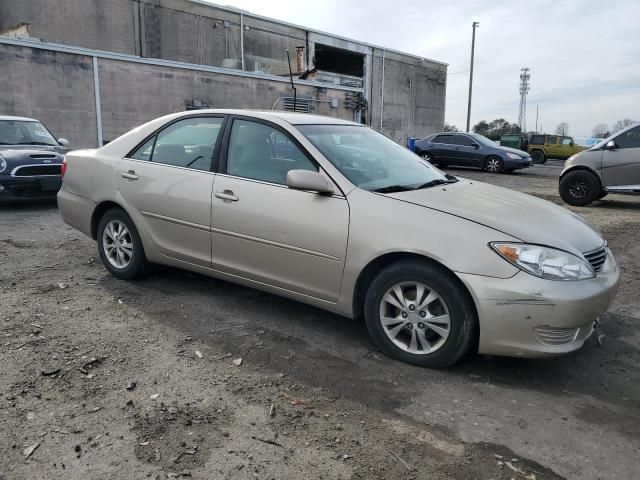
[(525, 76), (537, 118), (474, 25)]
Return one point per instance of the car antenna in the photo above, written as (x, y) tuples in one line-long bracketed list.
[(295, 94)]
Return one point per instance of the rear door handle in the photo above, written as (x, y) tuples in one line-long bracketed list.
[(227, 196), (131, 175)]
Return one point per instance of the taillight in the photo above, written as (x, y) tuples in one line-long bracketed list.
[(63, 167)]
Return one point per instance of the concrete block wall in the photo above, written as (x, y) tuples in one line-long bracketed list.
[(192, 32), (133, 94), (97, 24), (55, 88), (414, 95)]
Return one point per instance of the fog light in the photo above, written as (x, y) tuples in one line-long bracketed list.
[(1, 189)]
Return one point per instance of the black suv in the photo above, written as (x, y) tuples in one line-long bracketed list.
[(471, 150)]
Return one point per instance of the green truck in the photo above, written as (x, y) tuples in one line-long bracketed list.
[(542, 146)]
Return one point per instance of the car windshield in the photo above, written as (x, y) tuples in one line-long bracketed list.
[(370, 160), (20, 132), (484, 141)]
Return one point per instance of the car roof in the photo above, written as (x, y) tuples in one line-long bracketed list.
[(289, 117), (17, 119)]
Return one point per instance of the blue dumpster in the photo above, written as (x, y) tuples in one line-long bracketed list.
[(411, 144)]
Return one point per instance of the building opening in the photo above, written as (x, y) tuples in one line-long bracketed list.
[(336, 60)]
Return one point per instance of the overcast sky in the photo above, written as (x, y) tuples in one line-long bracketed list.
[(584, 55)]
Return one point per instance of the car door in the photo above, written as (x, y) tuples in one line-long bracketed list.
[(264, 231), (443, 148), (565, 147), (467, 151), (166, 184), (551, 146), (621, 165)]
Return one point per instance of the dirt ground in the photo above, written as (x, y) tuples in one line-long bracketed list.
[(178, 375)]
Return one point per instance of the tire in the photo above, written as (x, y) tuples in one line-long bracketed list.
[(428, 157), (580, 188), (493, 165), (448, 296), (116, 227), (538, 156)]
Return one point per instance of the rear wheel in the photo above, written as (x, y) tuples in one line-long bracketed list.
[(538, 156), (493, 165), (418, 314), (120, 246), (427, 156), (580, 188)]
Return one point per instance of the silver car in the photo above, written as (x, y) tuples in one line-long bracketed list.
[(336, 215), (611, 166)]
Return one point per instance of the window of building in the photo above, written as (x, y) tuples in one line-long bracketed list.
[(337, 60)]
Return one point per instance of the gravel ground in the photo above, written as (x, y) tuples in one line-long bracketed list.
[(178, 375)]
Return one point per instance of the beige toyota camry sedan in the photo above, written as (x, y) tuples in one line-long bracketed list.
[(336, 215)]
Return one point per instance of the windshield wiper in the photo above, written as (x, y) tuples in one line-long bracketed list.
[(436, 182), (392, 188), (39, 143)]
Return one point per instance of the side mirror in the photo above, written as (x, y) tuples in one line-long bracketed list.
[(63, 142), (475, 145), (308, 180), (611, 145)]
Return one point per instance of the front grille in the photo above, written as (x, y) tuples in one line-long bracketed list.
[(33, 170), (597, 257), (555, 335)]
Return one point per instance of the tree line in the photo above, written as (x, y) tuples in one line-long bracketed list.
[(498, 127)]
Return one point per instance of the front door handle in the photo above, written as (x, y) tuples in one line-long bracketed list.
[(131, 175), (227, 196)]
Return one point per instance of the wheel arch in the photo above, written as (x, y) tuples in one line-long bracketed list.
[(584, 168), (376, 265), (99, 211)]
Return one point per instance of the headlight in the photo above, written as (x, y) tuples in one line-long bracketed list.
[(3, 164), (514, 156), (545, 262)]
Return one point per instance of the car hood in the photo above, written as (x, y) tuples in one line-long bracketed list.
[(519, 215)]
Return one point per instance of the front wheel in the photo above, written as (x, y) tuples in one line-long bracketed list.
[(493, 165), (119, 245), (417, 313), (579, 188)]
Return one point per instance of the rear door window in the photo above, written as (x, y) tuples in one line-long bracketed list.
[(552, 140), (464, 140), (187, 143), (446, 139)]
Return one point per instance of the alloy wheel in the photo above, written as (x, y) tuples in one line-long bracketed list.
[(117, 244), (578, 189), (493, 165), (415, 317)]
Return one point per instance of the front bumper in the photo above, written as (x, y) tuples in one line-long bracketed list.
[(525, 316), (512, 164), (29, 188)]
